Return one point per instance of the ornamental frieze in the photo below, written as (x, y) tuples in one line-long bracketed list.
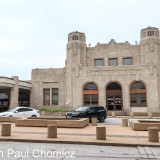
[(114, 72)]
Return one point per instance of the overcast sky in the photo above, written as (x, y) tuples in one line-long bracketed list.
[(33, 33)]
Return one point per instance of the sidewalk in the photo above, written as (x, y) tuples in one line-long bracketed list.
[(115, 135)]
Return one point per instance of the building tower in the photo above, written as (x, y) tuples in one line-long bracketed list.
[(150, 53), (76, 58)]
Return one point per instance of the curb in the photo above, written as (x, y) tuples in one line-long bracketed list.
[(80, 142)]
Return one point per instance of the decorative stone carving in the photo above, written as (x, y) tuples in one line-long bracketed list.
[(151, 45), (36, 71), (77, 70), (112, 45), (73, 67), (75, 48), (98, 46), (150, 66), (127, 44)]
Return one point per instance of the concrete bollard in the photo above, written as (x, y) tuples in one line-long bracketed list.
[(6, 129), (94, 121), (52, 131), (153, 134), (124, 122), (150, 114), (101, 133), (131, 114), (43, 113), (113, 114)]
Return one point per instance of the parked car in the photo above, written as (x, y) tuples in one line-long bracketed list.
[(21, 112), (88, 112)]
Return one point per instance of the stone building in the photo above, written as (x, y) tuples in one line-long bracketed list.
[(119, 76), (14, 92)]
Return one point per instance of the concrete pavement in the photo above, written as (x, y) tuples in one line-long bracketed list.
[(115, 135), (47, 151)]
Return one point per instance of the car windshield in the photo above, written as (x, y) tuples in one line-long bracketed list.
[(12, 110), (82, 108)]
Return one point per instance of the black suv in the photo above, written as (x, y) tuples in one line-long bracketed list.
[(88, 112)]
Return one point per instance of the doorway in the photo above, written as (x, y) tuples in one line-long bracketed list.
[(114, 97)]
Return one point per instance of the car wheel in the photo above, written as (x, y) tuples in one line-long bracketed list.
[(101, 118), (33, 116)]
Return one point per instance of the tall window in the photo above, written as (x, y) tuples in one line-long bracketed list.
[(23, 99), (55, 96), (127, 61), (46, 96), (113, 61), (138, 95), (99, 62), (90, 95), (4, 99)]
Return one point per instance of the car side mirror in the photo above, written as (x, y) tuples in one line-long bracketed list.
[(15, 111)]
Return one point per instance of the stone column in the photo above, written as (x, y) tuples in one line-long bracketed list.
[(50, 97), (120, 62), (102, 95), (14, 93)]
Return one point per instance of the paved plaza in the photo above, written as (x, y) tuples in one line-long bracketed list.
[(115, 135)]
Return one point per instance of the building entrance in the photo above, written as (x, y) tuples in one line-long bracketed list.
[(114, 97), (4, 101)]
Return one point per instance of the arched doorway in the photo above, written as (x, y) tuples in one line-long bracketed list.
[(4, 102), (90, 94), (23, 99), (138, 95), (114, 97)]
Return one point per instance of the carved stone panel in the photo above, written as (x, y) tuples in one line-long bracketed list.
[(112, 45)]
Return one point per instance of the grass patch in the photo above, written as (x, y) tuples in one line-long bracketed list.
[(53, 110)]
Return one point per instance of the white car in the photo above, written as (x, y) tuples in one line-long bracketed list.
[(21, 112)]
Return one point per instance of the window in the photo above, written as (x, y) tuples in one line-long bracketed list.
[(75, 37), (138, 95), (46, 96), (99, 62), (54, 96), (150, 33), (23, 99), (90, 94), (113, 62), (4, 100), (127, 61)]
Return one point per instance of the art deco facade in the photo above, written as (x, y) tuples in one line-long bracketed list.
[(118, 76)]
